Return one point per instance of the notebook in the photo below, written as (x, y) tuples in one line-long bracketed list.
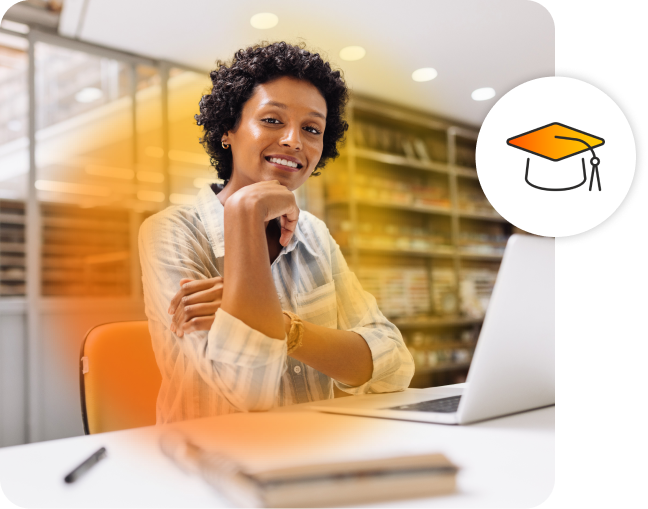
[(315, 484)]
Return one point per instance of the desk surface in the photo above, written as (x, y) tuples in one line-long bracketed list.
[(505, 462)]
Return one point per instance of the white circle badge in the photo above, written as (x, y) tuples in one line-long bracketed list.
[(555, 156)]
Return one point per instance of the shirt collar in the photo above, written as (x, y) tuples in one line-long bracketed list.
[(212, 214)]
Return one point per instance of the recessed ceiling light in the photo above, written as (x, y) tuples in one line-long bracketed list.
[(424, 74), (351, 53), (483, 94), (264, 20), (88, 95)]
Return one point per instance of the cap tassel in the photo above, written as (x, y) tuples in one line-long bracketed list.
[(594, 161)]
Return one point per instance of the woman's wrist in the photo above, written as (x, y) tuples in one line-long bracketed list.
[(245, 206), (287, 322)]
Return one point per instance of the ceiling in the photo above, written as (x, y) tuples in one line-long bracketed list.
[(472, 44)]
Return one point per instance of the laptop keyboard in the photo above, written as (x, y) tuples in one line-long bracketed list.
[(443, 405)]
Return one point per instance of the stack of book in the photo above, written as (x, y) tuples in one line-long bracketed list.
[(398, 291), (482, 243), (398, 141), (444, 285), (476, 289), (385, 191), (472, 199), (310, 483)]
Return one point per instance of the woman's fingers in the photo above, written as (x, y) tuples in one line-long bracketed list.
[(200, 323), (276, 198), (210, 295), (189, 313), (205, 309), (189, 287), (190, 306), (288, 226), (195, 317)]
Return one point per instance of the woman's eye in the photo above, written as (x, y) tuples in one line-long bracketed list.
[(276, 121)]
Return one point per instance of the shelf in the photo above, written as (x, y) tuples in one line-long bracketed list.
[(483, 216), (481, 256), (12, 247), (461, 171), (427, 209), (408, 252), (446, 366), (12, 219), (12, 260), (451, 346), (12, 278), (399, 160), (462, 244), (437, 321)]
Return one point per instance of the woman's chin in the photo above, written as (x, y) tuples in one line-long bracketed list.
[(290, 180)]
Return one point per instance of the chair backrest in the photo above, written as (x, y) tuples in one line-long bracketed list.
[(119, 377)]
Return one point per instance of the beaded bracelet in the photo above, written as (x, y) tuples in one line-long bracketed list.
[(296, 331)]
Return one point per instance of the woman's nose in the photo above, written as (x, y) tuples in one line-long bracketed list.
[(292, 138)]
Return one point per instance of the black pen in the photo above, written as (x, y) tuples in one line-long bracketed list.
[(86, 465)]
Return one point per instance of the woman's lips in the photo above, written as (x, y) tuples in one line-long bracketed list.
[(282, 167)]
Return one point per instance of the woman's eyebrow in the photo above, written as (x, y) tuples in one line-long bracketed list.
[(283, 106)]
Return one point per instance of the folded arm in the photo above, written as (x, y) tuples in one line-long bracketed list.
[(239, 363)]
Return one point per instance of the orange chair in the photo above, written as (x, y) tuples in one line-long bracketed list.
[(119, 377)]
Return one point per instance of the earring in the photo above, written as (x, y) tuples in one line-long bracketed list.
[(225, 145)]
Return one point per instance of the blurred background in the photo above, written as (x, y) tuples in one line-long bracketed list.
[(97, 99)]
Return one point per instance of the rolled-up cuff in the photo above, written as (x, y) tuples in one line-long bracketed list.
[(391, 372), (230, 341)]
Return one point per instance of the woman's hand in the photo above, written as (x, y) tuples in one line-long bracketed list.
[(194, 306), (269, 200)]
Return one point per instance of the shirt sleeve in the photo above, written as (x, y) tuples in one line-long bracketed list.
[(240, 363), (393, 365)]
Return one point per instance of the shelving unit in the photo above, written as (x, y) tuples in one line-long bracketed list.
[(85, 252), (405, 205), (12, 248)]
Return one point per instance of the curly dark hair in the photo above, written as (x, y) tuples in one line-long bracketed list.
[(234, 83)]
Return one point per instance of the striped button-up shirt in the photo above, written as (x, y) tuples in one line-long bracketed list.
[(233, 367)]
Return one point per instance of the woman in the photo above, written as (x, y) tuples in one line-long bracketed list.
[(278, 317)]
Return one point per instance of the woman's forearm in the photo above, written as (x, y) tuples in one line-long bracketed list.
[(249, 294), (342, 355)]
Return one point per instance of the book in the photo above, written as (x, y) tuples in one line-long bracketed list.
[(421, 150), (314, 484)]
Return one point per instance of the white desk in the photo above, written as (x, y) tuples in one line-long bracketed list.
[(506, 462)]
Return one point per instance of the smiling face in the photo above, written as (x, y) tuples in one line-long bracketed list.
[(280, 134)]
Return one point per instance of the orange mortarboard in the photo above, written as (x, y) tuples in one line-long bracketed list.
[(557, 142)]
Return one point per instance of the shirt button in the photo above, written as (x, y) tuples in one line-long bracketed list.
[(297, 369)]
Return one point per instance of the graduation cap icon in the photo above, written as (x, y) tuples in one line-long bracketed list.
[(557, 142)]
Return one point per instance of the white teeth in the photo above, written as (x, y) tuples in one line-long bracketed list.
[(284, 162)]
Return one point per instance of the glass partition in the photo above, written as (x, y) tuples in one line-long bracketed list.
[(14, 163), (85, 173), (151, 178), (189, 166)]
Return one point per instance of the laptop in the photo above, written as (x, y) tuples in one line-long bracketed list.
[(513, 366)]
